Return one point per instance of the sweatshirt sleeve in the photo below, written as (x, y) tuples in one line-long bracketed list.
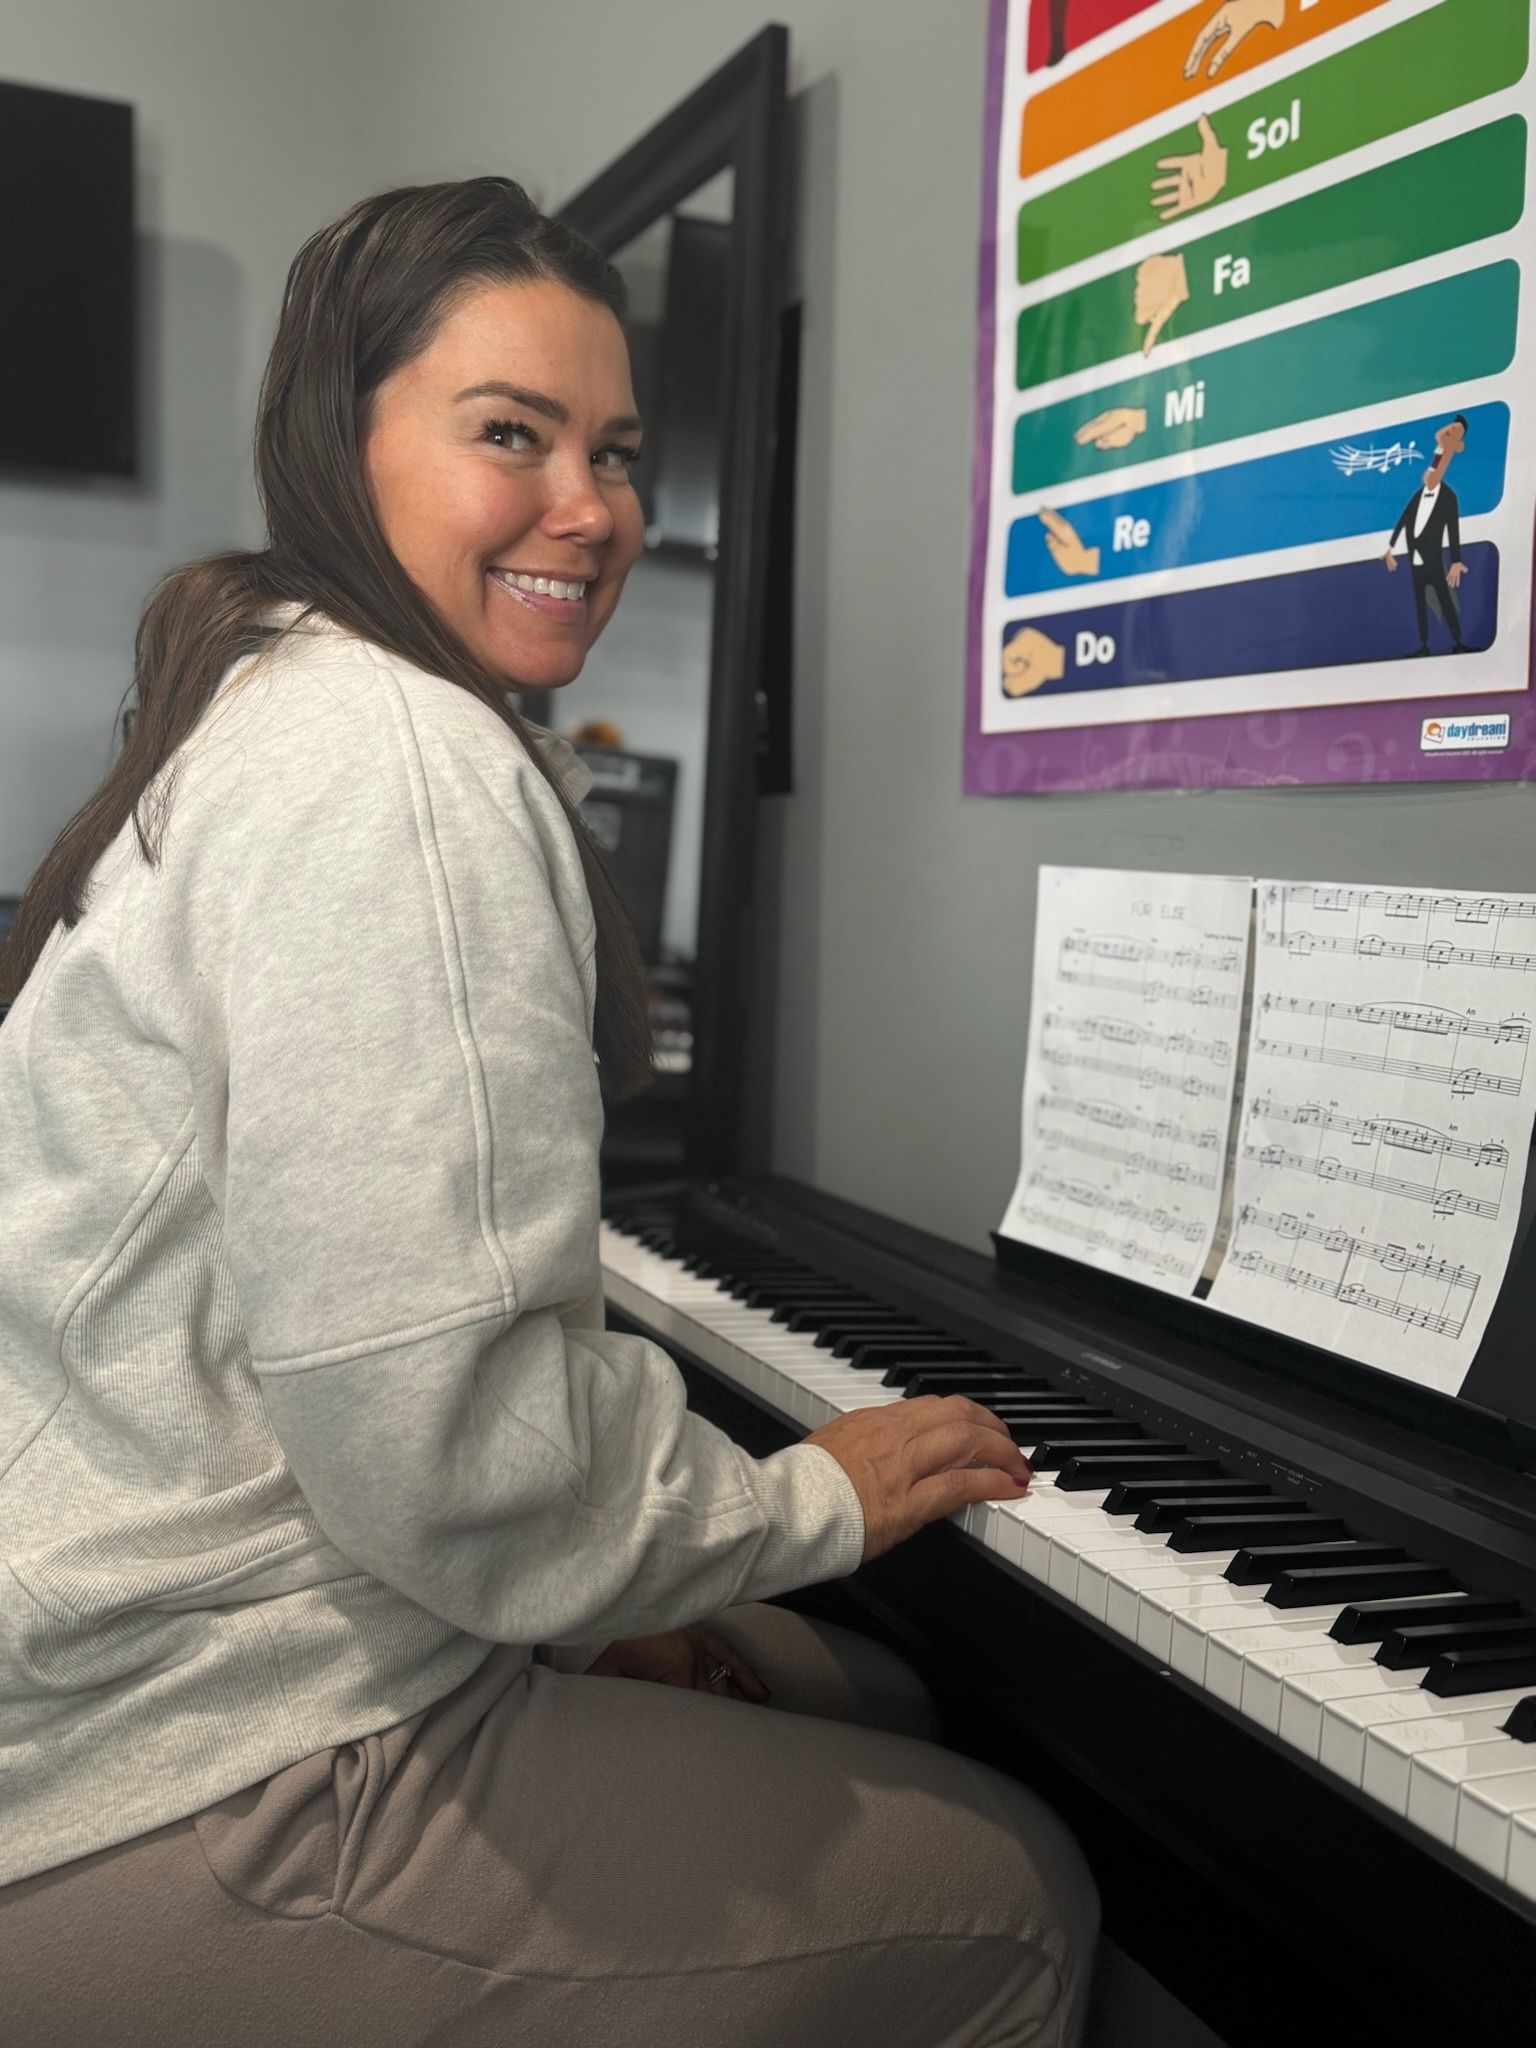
[(410, 1195)]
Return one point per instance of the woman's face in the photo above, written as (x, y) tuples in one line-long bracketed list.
[(501, 455)]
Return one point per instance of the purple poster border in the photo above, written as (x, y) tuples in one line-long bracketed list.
[(1348, 743)]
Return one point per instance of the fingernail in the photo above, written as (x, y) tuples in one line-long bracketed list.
[(1021, 1479)]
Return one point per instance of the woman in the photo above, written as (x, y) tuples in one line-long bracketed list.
[(327, 1501)]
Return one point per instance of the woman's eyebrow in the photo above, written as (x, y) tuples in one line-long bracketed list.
[(537, 401)]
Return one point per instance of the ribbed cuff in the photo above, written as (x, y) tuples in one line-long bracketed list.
[(815, 1522)]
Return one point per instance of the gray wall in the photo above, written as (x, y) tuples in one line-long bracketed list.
[(904, 910), (243, 148)]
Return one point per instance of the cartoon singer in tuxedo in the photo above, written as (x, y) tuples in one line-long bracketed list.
[(1430, 518)]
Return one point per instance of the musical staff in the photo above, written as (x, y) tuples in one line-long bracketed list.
[(1396, 1194), (1133, 1048), (1429, 1306), (1373, 1136)]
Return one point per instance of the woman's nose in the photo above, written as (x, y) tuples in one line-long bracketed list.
[(577, 505)]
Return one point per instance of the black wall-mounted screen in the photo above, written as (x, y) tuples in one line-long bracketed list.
[(66, 282)]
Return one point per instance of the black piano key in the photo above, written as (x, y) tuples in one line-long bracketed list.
[(1065, 1445), (788, 1293), (1372, 1621), (866, 1315), (1093, 1472), (899, 1344), (1334, 1586), (1522, 1721), (1460, 1672), (791, 1312), (1056, 1445), (1259, 1564), (1235, 1532), (1406, 1647), (1132, 1495), (843, 1332), (976, 1380), (1041, 1409), (1170, 1505), (870, 1352)]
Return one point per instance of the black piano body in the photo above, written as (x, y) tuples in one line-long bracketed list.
[(1272, 1898)]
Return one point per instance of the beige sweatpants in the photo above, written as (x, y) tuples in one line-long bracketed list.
[(544, 1861)]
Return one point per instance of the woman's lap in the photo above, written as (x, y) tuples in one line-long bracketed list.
[(551, 1859)]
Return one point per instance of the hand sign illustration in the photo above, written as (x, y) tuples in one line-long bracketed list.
[(1193, 180), (1067, 551), (1030, 659), (1116, 428), (1162, 286), (1230, 27)]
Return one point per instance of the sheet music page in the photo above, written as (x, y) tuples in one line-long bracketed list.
[(1388, 1102), (1134, 1031)]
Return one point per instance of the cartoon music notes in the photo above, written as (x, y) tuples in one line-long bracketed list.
[(1133, 1042), (1388, 1103)]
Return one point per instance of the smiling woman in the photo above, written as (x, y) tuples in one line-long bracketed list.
[(509, 503), (382, 1640)]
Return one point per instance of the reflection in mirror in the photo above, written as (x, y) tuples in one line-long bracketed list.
[(639, 711)]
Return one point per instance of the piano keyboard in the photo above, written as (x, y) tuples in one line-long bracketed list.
[(1380, 1667)]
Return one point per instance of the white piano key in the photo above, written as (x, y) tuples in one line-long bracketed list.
[(1483, 1816), (1159, 1605), (1226, 1650), (1347, 1723), (1118, 1600), (1301, 1705), (1265, 1673), (1390, 1751), (1195, 1627), (1521, 1873), (1438, 1780)]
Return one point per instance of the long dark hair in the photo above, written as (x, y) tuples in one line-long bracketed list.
[(363, 297)]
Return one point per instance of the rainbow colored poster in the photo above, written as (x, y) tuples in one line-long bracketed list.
[(1254, 498)]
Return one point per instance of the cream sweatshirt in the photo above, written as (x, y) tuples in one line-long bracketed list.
[(305, 1395)]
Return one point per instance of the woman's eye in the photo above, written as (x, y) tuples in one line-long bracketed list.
[(498, 432), (623, 458)]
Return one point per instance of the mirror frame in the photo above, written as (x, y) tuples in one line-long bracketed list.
[(736, 120)]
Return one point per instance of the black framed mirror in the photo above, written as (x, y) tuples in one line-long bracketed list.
[(681, 709)]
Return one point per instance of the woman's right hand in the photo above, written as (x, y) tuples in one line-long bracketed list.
[(913, 1462)]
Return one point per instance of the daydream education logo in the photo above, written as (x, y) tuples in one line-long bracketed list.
[(1464, 735)]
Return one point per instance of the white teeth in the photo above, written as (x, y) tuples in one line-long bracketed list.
[(543, 586)]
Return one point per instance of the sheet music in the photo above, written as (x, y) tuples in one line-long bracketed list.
[(1388, 1102), (1133, 1039)]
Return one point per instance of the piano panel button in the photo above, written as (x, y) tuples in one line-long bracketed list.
[(1390, 1750), (1091, 1473), (1406, 1647), (1522, 1722), (1343, 1583), (1233, 1532), (1131, 1496), (1262, 1563), (1195, 1627), (1171, 1505), (1348, 1722), (1372, 1621), (1457, 1673), (1308, 1692)]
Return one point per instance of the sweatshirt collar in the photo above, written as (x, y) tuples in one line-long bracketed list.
[(572, 772)]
